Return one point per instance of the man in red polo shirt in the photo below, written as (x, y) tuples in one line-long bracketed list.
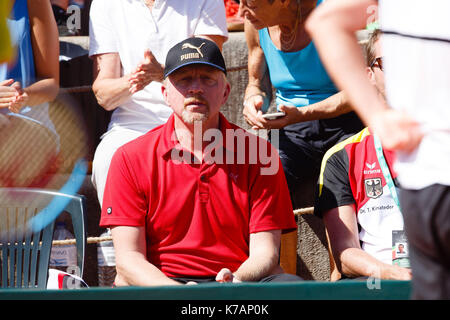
[(189, 202)]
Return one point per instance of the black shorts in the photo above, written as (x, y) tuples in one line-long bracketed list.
[(426, 214), (282, 277)]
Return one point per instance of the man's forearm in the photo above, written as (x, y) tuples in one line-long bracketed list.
[(356, 263), (134, 270), (42, 91), (111, 93), (331, 107), (256, 268)]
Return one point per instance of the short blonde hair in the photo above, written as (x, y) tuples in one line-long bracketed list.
[(370, 47)]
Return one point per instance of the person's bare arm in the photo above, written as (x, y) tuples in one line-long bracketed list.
[(110, 88), (330, 107), (350, 259), (332, 27), (262, 261), (45, 43), (133, 268), (259, 89), (350, 16)]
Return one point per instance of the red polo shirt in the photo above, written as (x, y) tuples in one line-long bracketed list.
[(198, 216)]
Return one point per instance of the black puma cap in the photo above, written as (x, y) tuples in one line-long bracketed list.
[(194, 51)]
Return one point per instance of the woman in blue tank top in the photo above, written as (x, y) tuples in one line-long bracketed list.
[(27, 84), (282, 55)]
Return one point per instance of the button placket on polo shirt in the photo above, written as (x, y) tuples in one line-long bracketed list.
[(203, 183), (152, 15)]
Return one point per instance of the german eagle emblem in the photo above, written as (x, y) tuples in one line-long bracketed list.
[(373, 187)]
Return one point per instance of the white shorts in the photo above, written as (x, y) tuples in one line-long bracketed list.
[(110, 142)]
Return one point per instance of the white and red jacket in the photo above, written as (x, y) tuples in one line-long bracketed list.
[(351, 175)]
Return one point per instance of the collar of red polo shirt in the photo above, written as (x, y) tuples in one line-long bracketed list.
[(227, 132)]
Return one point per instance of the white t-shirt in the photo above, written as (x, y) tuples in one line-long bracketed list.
[(128, 27), (416, 48)]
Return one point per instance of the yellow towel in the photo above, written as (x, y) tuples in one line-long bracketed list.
[(6, 50)]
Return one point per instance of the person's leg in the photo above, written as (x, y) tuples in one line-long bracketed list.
[(427, 225), (103, 155), (300, 162)]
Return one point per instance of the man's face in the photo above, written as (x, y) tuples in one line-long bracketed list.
[(376, 73), (196, 92)]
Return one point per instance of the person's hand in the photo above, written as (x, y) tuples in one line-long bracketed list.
[(12, 96), (400, 273), (396, 130), (290, 118), (252, 110), (147, 71), (8, 93), (225, 275), (20, 100)]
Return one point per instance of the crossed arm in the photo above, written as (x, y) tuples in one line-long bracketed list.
[(350, 259), (134, 269)]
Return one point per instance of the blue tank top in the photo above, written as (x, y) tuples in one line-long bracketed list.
[(23, 68), (299, 77)]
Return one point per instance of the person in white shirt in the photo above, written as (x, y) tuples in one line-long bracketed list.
[(415, 120), (128, 44)]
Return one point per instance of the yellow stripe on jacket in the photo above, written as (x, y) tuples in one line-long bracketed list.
[(339, 146)]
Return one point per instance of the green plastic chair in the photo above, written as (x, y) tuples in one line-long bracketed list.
[(24, 255)]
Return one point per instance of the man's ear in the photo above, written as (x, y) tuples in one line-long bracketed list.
[(226, 93), (164, 91)]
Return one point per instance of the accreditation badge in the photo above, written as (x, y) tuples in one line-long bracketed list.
[(400, 249)]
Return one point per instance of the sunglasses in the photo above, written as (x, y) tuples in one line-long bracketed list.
[(377, 62)]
